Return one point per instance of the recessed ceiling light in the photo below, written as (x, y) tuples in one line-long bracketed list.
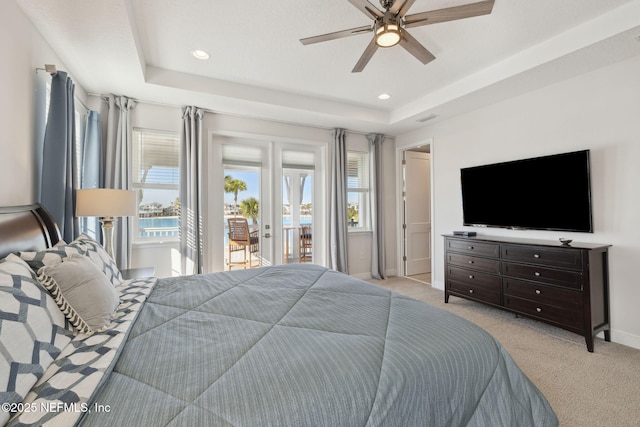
[(384, 96), (200, 54)]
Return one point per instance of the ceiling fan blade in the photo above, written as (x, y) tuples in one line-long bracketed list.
[(366, 56), (367, 8), (414, 47), (337, 35), (400, 7), (449, 14)]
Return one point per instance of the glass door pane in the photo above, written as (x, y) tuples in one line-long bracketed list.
[(242, 242), (297, 215)]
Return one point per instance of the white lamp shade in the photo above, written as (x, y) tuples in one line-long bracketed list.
[(105, 202)]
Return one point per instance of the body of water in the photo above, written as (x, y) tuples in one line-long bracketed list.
[(160, 226)]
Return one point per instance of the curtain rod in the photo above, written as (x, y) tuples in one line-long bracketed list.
[(49, 68), (52, 69), (141, 101)]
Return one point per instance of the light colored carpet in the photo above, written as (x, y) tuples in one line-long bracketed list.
[(585, 389)]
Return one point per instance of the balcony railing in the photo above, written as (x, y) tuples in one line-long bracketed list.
[(160, 232)]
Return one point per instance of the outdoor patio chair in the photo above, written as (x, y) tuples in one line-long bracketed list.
[(241, 239), (306, 246)]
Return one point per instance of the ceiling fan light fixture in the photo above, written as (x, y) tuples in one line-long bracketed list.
[(388, 35)]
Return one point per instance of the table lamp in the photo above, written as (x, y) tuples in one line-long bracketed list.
[(107, 204)]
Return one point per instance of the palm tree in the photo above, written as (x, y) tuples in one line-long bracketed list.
[(234, 186), (249, 208), (352, 215)]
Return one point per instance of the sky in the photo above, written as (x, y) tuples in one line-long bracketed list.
[(253, 187)]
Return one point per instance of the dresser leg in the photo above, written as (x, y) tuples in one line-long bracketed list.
[(607, 335), (589, 340), (446, 297)]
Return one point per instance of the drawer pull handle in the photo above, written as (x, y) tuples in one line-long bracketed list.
[(470, 247), (470, 262), (536, 255), (538, 309), (538, 291), (470, 291), (537, 274), (471, 276)]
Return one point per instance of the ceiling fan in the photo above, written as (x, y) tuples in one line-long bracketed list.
[(390, 26)]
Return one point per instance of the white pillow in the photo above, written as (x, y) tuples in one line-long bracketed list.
[(82, 291)]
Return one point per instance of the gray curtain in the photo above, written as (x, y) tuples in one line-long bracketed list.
[(191, 204), (59, 162), (117, 172), (378, 263), (338, 204), (92, 175)]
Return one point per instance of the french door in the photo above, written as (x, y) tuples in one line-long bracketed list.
[(278, 188)]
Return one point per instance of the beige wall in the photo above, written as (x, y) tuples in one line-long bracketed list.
[(22, 49), (22, 104), (597, 111)]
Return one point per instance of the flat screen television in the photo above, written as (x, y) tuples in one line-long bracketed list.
[(542, 193)]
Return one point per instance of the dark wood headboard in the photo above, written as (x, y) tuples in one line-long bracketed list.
[(26, 228)]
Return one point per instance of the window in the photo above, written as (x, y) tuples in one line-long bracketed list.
[(358, 191), (88, 225), (156, 177)]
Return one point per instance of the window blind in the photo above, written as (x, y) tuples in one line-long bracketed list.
[(357, 170), (156, 158), (298, 159)]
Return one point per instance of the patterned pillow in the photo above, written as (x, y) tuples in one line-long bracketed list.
[(33, 331), (50, 256), (83, 245), (100, 257), (82, 292)]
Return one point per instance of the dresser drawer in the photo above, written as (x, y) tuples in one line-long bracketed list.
[(565, 258), (473, 291), (473, 247), (562, 316), (570, 279), (484, 264), (478, 279), (541, 294)]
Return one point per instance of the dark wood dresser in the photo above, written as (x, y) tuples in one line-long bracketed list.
[(563, 285)]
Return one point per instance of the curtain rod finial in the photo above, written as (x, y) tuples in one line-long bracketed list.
[(49, 68)]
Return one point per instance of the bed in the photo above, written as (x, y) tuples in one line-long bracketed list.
[(274, 346)]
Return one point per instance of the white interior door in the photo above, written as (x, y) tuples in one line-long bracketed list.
[(417, 212)]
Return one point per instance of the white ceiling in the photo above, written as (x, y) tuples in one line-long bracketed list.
[(258, 67)]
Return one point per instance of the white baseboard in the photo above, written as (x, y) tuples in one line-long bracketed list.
[(391, 273), (367, 276), (624, 338), (438, 285)]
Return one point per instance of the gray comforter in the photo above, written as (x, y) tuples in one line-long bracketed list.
[(306, 346)]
